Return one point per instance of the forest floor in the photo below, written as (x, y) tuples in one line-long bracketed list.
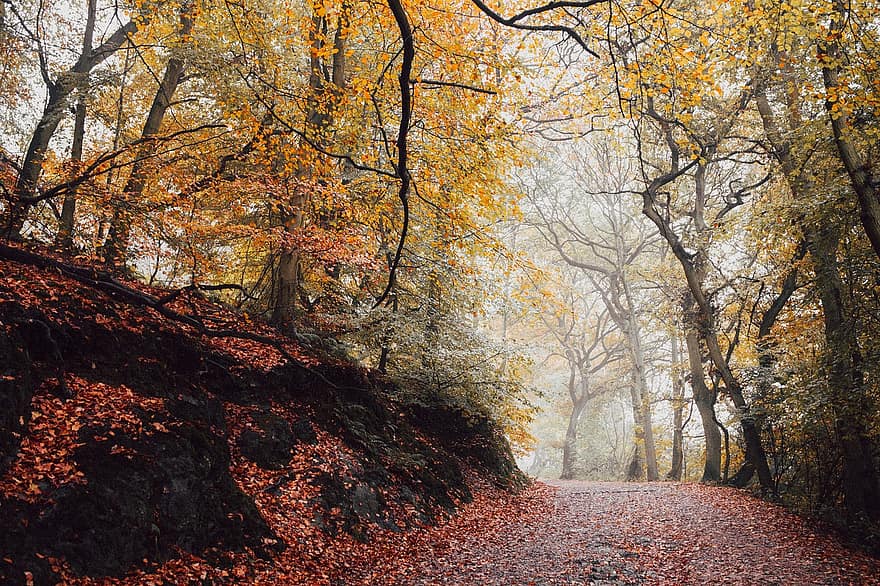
[(636, 533)]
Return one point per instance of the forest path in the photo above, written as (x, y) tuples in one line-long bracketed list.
[(641, 533)]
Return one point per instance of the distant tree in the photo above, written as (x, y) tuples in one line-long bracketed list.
[(592, 230), (585, 336), (114, 248)]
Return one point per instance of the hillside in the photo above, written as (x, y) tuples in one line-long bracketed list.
[(157, 437)]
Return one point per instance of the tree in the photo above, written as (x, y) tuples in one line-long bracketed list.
[(68, 210), (599, 236), (678, 403), (117, 236), (584, 334), (25, 191), (832, 58), (327, 80), (683, 133), (843, 354)]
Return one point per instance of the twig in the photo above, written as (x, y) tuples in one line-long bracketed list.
[(434, 82)]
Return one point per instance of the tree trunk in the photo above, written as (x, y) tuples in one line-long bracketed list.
[(114, 249), (651, 471), (750, 428), (675, 471), (704, 399), (641, 386), (861, 486), (635, 469), (68, 208), (626, 318), (287, 281), (569, 447)]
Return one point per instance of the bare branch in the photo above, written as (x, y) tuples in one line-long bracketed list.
[(515, 20), (434, 82)]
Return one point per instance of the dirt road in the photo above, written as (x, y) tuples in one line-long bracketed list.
[(626, 533)]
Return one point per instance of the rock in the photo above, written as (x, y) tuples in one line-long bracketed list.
[(270, 445), (304, 432), (349, 506), (145, 498), (16, 392)]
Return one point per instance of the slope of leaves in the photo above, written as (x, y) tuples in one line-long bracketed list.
[(147, 452)]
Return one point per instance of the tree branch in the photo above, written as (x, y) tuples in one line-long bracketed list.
[(401, 168), (515, 20), (434, 82)]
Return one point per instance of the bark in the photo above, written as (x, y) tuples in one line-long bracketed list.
[(59, 91), (676, 469), (641, 398), (863, 183), (120, 224), (383, 359), (287, 282), (569, 447), (635, 470), (628, 319), (68, 208), (644, 454), (704, 399)]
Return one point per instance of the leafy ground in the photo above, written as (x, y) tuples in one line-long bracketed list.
[(626, 533)]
